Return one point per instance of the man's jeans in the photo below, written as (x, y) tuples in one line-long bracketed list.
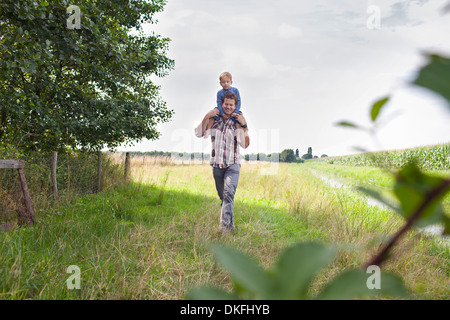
[(226, 183)]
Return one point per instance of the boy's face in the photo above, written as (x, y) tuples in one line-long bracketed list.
[(226, 83), (228, 106)]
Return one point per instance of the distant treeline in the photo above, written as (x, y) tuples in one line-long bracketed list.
[(184, 155), (286, 155)]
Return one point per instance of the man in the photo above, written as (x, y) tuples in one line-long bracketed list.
[(226, 137)]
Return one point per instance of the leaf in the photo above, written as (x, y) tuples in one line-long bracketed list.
[(411, 188), (436, 76), (353, 284), (246, 272), (376, 108), (446, 231), (379, 197), (209, 293), (298, 265), (347, 124)]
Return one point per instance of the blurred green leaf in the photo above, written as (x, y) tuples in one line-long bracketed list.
[(298, 265), (291, 276), (436, 76), (379, 197), (446, 231), (353, 284), (376, 108), (246, 272), (347, 124), (411, 188)]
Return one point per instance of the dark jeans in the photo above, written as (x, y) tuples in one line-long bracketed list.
[(226, 183)]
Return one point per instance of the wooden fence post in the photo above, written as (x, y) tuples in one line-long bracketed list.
[(25, 216), (53, 170), (127, 166), (99, 172)]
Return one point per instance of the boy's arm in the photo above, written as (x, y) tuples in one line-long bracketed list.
[(236, 92), (219, 98)]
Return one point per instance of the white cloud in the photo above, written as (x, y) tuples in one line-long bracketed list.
[(301, 67), (286, 31)]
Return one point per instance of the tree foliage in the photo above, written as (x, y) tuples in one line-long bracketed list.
[(287, 155), (308, 155), (85, 88)]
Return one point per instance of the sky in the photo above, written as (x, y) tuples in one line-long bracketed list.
[(301, 67)]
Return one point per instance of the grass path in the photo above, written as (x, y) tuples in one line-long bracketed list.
[(150, 239)]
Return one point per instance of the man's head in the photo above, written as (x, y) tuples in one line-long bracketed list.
[(229, 103)]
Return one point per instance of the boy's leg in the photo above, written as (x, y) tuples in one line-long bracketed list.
[(209, 126), (220, 114), (231, 179)]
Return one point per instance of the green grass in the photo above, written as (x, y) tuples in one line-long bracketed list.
[(150, 239), (380, 179)]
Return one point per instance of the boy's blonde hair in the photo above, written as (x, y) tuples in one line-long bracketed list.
[(225, 74)]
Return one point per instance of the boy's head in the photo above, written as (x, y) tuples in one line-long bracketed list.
[(225, 80)]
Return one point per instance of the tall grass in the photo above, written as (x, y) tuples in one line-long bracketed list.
[(150, 238), (76, 176)]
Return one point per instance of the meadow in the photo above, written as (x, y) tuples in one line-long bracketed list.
[(150, 238)]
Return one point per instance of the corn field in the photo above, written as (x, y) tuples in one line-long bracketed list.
[(435, 157)]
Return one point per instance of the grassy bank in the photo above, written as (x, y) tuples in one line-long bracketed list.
[(150, 239)]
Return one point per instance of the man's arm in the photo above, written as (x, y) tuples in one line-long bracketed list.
[(242, 132), (202, 129)]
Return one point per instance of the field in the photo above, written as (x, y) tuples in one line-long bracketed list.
[(150, 238)]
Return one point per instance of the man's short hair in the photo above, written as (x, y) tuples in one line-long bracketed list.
[(230, 95)]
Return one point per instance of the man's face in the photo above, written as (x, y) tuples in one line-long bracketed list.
[(228, 106)]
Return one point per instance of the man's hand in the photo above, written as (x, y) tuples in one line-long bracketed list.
[(213, 113), (242, 133), (240, 118)]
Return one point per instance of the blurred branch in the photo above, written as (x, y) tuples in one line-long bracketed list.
[(430, 197), (446, 9)]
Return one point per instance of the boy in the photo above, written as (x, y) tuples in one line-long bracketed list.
[(226, 80)]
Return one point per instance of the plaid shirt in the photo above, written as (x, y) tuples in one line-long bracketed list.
[(225, 148)]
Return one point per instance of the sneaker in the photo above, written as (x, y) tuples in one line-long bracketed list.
[(226, 230)]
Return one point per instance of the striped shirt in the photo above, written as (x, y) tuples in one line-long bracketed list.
[(225, 148)]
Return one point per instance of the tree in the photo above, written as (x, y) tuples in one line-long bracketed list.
[(297, 153), (84, 88), (287, 155), (308, 155)]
